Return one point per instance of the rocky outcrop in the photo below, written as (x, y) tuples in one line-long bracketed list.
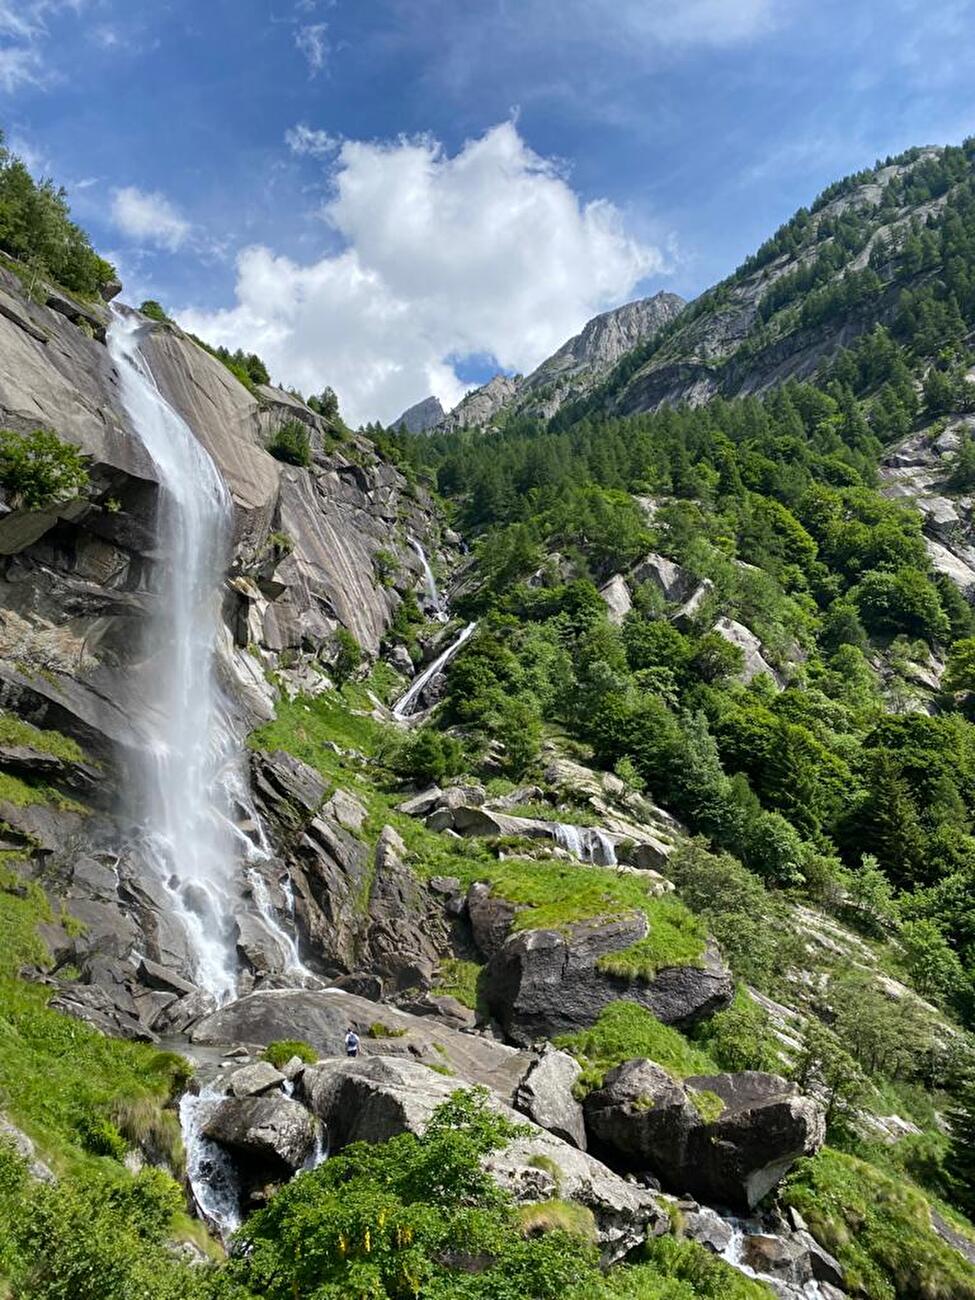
[(481, 405), (540, 983), (421, 416), (373, 1100), (545, 1095), (727, 1138), (754, 661), (272, 1133)]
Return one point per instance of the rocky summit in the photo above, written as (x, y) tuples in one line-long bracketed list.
[(522, 851)]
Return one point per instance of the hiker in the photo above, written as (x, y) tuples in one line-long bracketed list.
[(351, 1043)]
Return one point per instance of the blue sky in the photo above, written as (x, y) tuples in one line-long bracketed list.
[(398, 196)]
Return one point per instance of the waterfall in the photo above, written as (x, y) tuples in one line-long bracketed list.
[(293, 965), (406, 704), (429, 581), (190, 766), (588, 844), (211, 1173)]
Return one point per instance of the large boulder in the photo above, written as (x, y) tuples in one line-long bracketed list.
[(544, 982), (545, 1095), (376, 1099), (322, 1016), (272, 1132), (727, 1138)]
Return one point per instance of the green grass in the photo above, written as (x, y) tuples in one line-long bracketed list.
[(707, 1104), (14, 731), (305, 725), (281, 1051), (879, 1228), (626, 1031), (24, 793), (458, 979), (557, 1216), (59, 1076)]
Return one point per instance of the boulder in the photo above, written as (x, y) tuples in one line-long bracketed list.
[(616, 597), (272, 1131), (419, 805), (405, 928), (727, 1138), (347, 810), (254, 1079), (673, 582), (376, 1099), (545, 1095), (544, 982)]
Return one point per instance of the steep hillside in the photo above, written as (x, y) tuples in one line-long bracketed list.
[(876, 246), (571, 372)]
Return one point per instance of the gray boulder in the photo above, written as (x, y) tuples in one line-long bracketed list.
[(616, 597), (254, 1079), (271, 1131), (544, 982), (545, 1095), (727, 1138)]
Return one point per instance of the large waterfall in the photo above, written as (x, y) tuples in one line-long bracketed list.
[(189, 768)]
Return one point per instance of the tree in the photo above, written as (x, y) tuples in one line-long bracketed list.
[(869, 893), (153, 310), (959, 674), (292, 444), (38, 469), (932, 965), (348, 656)]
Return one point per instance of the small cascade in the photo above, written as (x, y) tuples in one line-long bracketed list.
[(587, 843), (734, 1254), (211, 1173), (293, 965), (405, 706), (434, 599)]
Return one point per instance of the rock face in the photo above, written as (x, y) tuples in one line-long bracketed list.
[(545, 1095), (540, 983), (421, 417), (728, 1138), (574, 369)]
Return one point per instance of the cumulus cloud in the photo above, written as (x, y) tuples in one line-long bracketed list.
[(487, 251), (148, 216), (303, 139), (310, 40)]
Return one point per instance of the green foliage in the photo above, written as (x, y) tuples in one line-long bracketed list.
[(14, 731), (36, 228), (154, 311), (625, 1031), (38, 469), (291, 443), (348, 656), (282, 1050), (458, 979), (879, 1229), (427, 755)]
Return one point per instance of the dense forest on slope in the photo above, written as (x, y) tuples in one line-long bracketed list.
[(841, 771)]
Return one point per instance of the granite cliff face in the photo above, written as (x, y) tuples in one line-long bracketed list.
[(314, 550)]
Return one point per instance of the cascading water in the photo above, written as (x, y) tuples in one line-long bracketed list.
[(190, 763), (406, 705), (430, 582), (209, 1169), (586, 843)]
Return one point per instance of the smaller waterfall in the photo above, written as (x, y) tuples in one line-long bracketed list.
[(293, 965), (587, 843), (734, 1254), (406, 704), (429, 581), (211, 1173)]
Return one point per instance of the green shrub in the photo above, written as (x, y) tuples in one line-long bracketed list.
[(153, 310), (879, 1228), (626, 1031), (282, 1050), (348, 656), (292, 444), (38, 469)]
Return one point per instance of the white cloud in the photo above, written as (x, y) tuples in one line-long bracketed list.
[(488, 251), (149, 217), (310, 40), (23, 31), (303, 139)]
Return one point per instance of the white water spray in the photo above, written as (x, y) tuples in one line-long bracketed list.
[(189, 766), (430, 582), (588, 844), (210, 1170), (406, 704)]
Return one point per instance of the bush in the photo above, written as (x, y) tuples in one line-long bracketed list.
[(348, 656), (429, 756), (38, 469), (625, 1031), (292, 444), (153, 310), (282, 1050)]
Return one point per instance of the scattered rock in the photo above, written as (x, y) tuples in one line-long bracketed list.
[(545, 1095), (253, 1080), (272, 1131)]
